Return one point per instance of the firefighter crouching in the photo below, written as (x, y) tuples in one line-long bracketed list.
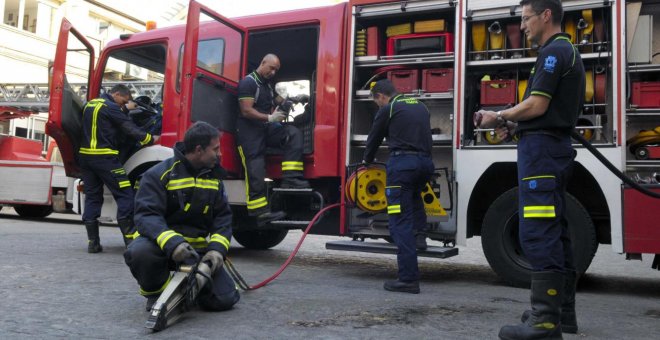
[(179, 203), (406, 124), (104, 125)]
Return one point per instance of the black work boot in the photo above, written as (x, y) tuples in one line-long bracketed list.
[(295, 183), (543, 322), (420, 241), (402, 286), (128, 230), (93, 240), (270, 216), (568, 318), (151, 301)]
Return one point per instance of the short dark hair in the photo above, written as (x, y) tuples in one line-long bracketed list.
[(121, 89), (200, 133), (539, 6), (384, 86)]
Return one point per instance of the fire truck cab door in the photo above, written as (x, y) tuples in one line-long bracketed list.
[(214, 60), (69, 78)]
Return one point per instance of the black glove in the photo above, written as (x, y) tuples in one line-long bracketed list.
[(215, 258), (183, 252), (301, 98)]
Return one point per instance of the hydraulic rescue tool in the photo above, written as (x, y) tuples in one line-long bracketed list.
[(179, 296)]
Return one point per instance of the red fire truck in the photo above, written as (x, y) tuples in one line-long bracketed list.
[(48, 188), (455, 55)]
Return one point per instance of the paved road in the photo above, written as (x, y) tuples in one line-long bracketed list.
[(51, 288)]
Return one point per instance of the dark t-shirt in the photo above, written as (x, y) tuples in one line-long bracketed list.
[(558, 74), (405, 122), (256, 88)]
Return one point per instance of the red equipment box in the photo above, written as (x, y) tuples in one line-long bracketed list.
[(640, 221), (645, 94), (373, 41), (20, 149), (419, 43), (405, 81), (437, 80), (498, 92)]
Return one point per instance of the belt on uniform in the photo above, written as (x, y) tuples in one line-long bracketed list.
[(406, 152), (549, 132)]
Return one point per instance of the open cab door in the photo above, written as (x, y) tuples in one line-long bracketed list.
[(68, 84), (214, 60)]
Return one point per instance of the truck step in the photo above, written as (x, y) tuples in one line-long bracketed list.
[(388, 248), (292, 191), (290, 222)]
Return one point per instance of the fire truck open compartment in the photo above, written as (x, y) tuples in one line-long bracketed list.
[(500, 59), (403, 42)]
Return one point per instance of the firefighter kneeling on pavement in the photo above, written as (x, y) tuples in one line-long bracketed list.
[(180, 203)]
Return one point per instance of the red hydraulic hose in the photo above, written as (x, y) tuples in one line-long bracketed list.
[(237, 277)]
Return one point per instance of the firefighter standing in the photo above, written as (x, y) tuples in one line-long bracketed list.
[(104, 125), (406, 123), (545, 119), (257, 127), (180, 202)]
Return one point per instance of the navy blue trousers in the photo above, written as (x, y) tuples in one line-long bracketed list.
[(407, 176), (545, 164), (253, 138), (105, 170), (151, 268)]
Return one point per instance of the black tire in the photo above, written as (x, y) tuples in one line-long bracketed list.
[(499, 238), (33, 211), (260, 239)]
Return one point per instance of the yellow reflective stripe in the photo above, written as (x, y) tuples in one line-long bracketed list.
[(207, 183), (164, 237), (531, 211), (258, 203), (206, 209), (88, 151), (538, 177), (124, 184), (180, 183), (292, 166), (243, 98), (187, 207), (247, 185), (292, 163), (168, 170), (92, 142), (146, 140), (160, 290), (119, 171), (220, 239), (541, 93), (394, 209), (197, 242), (190, 182), (132, 236)]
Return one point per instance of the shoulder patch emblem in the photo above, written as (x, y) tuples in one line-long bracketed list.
[(549, 64)]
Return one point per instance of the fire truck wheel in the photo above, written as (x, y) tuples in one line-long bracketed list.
[(260, 239), (499, 238), (33, 211)]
